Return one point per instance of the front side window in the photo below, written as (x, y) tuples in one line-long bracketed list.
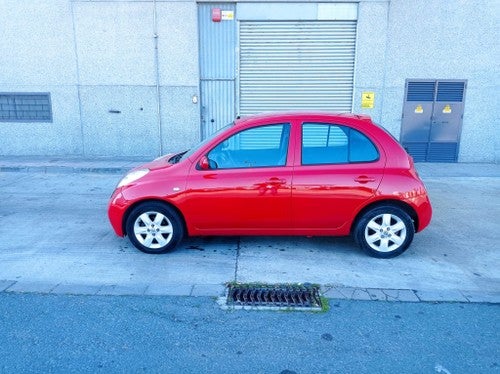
[(335, 144), (264, 146)]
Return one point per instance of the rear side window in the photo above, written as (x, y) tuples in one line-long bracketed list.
[(335, 144)]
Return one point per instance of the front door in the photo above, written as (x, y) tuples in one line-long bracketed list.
[(248, 186)]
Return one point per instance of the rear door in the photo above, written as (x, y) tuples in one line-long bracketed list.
[(338, 170)]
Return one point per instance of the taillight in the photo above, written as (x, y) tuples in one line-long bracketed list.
[(413, 170)]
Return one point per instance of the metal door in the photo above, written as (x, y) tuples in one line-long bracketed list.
[(432, 119), (217, 66), (296, 65)]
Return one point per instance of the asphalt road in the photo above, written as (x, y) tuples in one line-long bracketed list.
[(131, 334)]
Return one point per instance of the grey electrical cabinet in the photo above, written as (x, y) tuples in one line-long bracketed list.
[(432, 119)]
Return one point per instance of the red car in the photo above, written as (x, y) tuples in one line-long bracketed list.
[(310, 174)]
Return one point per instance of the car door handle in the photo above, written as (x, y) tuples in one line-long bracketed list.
[(364, 179), (275, 180)]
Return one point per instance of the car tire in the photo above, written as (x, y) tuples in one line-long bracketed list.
[(384, 231), (154, 228)]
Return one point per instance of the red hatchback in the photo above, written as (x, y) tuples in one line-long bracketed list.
[(278, 174)]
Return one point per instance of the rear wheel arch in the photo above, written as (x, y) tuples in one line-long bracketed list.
[(392, 203), (385, 231)]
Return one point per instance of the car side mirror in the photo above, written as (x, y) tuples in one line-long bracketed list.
[(204, 163)]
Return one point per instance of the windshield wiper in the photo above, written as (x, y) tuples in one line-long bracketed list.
[(175, 159)]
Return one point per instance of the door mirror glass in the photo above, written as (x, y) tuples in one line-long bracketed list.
[(204, 163)]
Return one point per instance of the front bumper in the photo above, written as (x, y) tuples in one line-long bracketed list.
[(116, 211)]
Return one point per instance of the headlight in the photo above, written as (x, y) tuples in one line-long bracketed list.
[(132, 177)]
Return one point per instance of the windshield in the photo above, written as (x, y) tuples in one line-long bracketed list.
[(183, 155)]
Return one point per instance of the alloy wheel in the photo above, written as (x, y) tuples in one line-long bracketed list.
[(153, 230), (385, 232)]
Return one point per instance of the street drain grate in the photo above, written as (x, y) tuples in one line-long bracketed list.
[(294, 296)]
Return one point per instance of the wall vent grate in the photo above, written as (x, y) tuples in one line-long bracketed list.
[(420, 91), (450, 91), (25, 107)]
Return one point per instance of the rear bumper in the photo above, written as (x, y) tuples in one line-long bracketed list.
[(424, 212)]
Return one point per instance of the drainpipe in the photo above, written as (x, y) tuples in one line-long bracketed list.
[(157, 71)]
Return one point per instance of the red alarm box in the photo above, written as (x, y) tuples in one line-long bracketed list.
[(216, 15)]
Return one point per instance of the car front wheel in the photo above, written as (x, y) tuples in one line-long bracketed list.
[(154, 228), (384, 232)]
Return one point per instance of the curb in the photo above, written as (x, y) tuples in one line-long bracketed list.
[(70, 164), (219, 290), (64, 169)]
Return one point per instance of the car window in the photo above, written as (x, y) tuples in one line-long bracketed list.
[(335, 144), (262, 146), (202, 143)]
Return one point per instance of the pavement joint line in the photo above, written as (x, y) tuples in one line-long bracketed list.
[(465, 296), (238, 252), (12, 282), (416, 294)]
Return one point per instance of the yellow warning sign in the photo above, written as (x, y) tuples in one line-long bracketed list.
[(227, 15), (368, 100), (419, 109), (447, 109)]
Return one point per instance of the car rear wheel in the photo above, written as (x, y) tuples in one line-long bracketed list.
[(385, 231), (154, 228)]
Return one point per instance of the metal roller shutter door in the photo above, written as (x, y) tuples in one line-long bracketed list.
[(296, 65)]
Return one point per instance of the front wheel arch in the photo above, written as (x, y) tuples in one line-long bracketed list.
[(147, 201), (154, 227), (143, 202)]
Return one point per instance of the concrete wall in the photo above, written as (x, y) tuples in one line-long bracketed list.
[(433, 39), (37, 54), (97, 58)]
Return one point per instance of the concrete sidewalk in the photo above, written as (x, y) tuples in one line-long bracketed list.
[(55, 238)]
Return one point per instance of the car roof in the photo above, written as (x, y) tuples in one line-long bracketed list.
[(317, 115)]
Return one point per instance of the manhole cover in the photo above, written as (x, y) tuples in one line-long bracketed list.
[(286, 296)]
